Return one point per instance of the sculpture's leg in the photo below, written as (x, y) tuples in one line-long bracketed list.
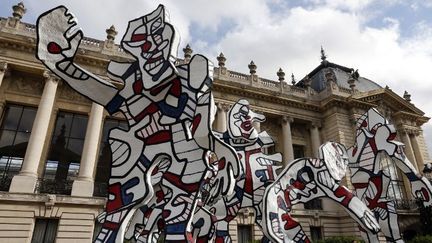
[(180, 207), (222, 232), (177, 214), (293, 230), (389, 224), (151, 230), (203, 226), (368, 236), (125, 196)]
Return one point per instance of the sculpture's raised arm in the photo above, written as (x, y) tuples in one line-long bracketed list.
[(58, 38)]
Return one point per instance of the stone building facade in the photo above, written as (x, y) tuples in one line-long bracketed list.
[(54, 159)]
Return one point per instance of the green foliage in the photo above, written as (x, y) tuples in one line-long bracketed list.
[(340, 239), (425, 219), (422, 239)]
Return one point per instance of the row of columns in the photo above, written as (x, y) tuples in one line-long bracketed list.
[(287, 143), (413, 149), (26, 180)]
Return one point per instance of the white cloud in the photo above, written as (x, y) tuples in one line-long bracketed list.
[(289, 39)]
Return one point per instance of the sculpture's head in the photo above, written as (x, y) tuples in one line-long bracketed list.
[(373, 125), (153, 42), (370, 121), (335, 158), (240, 119)]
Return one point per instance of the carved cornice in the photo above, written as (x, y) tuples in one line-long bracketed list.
[(392, 100), (247, 91), (418, 119), (84, 56)]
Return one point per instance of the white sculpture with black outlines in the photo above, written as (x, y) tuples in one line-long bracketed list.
[(306, 179), (375, 142), (169, 110)]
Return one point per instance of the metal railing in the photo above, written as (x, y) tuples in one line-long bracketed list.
[(100, 189), (314, 204), (406, 204), (5, 182), (52, 186)]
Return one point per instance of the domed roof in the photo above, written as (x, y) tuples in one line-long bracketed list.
[(340, 75)]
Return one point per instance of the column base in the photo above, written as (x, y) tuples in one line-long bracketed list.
[(81, 188), (23, 184)]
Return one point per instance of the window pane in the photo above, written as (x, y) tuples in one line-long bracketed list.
[(45, 230), (12, 116), (104, 160), (298, 151), (50, 169), (14, 136), (27, 119), (79, 126), (65, 152), (63, 124), (73, 171), (316, 233), (244, 233), (6, 142), (74, 149)]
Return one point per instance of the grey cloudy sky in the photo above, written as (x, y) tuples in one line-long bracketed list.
[(389, 41)]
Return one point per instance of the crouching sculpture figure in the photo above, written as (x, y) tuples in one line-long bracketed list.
[(375, 144), (306, 179)]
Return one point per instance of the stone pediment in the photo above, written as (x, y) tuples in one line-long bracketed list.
[(386, 97)]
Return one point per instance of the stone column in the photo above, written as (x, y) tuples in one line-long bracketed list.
[(3, 69), (288, 153), (417, 151), (315, 139), (83, 186), (221, 122), (408, 148), (2, 106), (257, 126), (25, 181)]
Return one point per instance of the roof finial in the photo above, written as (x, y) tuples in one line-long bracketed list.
[(252, 68), (407, 96), (293, 81), (111, 33), (187, 53), (18, 10), (221, 60), (281, 75), (323, 55)]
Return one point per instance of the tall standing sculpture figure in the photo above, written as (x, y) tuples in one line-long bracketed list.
[(169, 110), (375, 141)]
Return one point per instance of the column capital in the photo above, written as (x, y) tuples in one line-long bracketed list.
[(417, 132), (316, 124), (3, 66), (222, 106), (287, 119), (48, 75)]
